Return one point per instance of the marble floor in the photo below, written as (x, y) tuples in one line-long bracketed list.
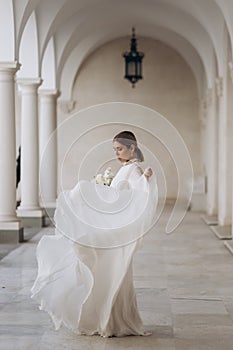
[(184, 284)]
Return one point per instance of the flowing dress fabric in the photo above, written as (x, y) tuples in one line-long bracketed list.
[(85, 276)]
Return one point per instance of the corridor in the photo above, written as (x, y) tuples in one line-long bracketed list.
[(184, 288)]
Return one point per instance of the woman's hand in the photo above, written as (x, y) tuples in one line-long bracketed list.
[(148, 172)]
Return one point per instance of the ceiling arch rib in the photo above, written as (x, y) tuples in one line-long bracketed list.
[(64, 14), (88, 45), (227, 9), (63, 36), (30, 63), (46, 12), (210, 17), (198, 38), (154, 11), (48, 70), (23, 11), (51, 14)]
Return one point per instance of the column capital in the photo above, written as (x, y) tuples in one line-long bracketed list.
[(49, 92), (230, 65), (8, 70), (219, 86), (28, 85), (29, 81), (10, 67)]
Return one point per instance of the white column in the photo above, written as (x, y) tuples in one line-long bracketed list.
[(212, 153), (11, 229), (224, 155), (230, 111), (48, 147), (29, 207)]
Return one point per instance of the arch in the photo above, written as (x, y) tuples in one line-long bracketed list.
[(75, 60), (29, 60), (64, 12), (23, 10), (188, 18), (226, 8), (211, 18), (48, 70), (194, 34)]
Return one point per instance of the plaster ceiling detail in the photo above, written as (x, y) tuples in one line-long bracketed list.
[(65, 32)]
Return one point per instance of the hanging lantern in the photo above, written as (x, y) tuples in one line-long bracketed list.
[(133, 62)]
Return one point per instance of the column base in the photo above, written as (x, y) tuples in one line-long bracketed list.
[(11, 232), (49, 208), (210, 219), (222, 232), (31, 218), (49, 215), (229, 245), (49, 211)]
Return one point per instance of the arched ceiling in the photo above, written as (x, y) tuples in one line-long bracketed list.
[(194, 28), (88, 44)]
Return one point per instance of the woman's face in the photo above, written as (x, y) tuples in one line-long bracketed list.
[(122, 152)]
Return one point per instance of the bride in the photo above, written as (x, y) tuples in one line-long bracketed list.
[(85, 276)]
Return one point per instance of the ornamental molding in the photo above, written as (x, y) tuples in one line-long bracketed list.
[(209, 97), (67, 106), (48, 94), (203, 112), (11, 67), (219, 86)]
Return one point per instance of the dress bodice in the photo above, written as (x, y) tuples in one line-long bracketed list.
[(129, 176)]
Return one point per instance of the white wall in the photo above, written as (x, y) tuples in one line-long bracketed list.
[(168, 87)]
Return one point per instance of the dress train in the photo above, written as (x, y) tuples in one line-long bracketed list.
[(85, 276)]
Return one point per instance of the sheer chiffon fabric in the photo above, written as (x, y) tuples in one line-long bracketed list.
[(85, 276)]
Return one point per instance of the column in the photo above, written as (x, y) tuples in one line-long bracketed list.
[(11, 228), (224, 155), (229, 243), (48, 148), (212, 154), (29, 210), (230, 112)]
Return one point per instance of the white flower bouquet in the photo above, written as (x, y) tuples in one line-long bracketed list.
[(104, 179)]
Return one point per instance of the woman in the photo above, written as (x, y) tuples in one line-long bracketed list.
[(85, 278)]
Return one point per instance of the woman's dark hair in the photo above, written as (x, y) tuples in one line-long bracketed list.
[(128, 138)]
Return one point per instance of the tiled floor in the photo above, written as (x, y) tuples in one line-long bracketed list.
[(184, 284)]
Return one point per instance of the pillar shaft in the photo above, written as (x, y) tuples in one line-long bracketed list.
[(7, 142), (29, 207), (212, 154), (224, 156), (48, 147), (230, 65), (11, 229)]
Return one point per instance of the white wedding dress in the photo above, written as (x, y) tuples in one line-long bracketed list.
[(85, 277)]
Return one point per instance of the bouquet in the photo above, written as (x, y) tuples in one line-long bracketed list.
[(104, 179)]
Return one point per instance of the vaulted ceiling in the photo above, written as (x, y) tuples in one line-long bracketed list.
[(51, 38)]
